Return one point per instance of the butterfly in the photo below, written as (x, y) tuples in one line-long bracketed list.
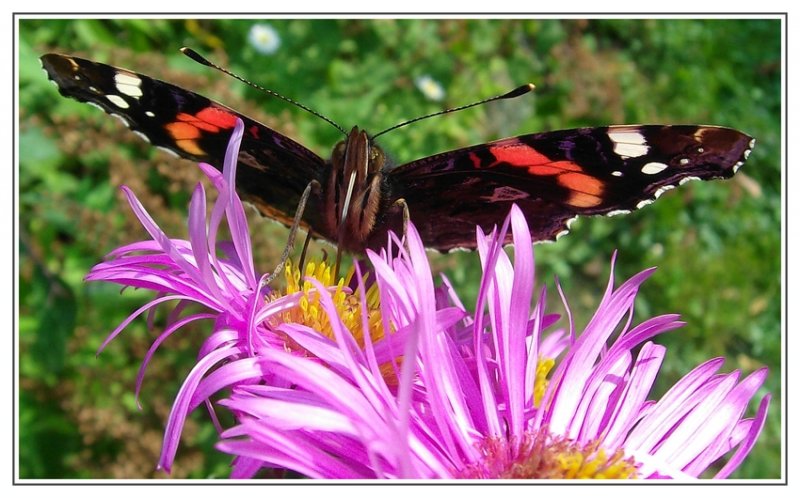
[(358, 196)]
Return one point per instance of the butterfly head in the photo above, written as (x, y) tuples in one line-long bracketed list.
[(353, 186)]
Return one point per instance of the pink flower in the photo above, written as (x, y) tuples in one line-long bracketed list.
[(189, 271), (400, 381), (470, 409)]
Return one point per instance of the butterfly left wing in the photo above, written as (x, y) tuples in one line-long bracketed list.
[(273, 169), (555, 176)]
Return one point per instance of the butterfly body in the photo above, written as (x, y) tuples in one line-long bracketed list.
[(357, 197)]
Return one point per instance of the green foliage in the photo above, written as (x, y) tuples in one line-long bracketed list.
[(717, 244)]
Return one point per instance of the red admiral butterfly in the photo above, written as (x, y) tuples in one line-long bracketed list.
[(552, 176)]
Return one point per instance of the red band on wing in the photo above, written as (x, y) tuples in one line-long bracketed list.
[(189, 127), (476, 161), (210, 119), (194, 121), (217, 117), (517, 154)]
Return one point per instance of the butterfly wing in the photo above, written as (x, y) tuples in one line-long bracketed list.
[(555, 176), (273, 169)]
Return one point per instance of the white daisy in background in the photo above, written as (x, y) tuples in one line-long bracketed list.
[(429, 87), (264, 38)]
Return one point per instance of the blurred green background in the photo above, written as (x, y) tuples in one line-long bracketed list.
[(717, 244)]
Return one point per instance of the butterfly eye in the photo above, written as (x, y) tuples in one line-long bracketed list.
[(338, 152), (376, 158)]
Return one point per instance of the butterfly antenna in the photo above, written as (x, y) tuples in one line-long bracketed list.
[(521, 90), (202, 60)]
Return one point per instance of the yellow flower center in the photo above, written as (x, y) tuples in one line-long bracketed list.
[(347, 303), (541, 455)]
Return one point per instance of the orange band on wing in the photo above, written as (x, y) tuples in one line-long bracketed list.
[(581, 183), (191, 147), (585, 190), (182, 131), (582, 200), (189, 127)]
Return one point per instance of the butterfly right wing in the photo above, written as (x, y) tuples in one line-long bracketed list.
[(273, 169), (557, 175)]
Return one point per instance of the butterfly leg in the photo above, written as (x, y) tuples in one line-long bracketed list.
[(302, 263), (298, 215), (406, 215)]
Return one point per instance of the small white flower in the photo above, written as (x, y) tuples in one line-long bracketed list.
[(264, 38), (430, 88)]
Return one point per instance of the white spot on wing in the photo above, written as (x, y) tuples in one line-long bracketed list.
[(128, 84), (117, 101), (630, 150), (142, 136), (95, 104), (121, 119), (737, 166), (684, 161), (168, 151), (687, 179), (628, 142), (562, 233), (752, 143), (127, 79), (149, 114), (626, 135), (616, 173), (617, 212), (747, 153), (663, 189), (653, 168), (130, 91), (644, 203)]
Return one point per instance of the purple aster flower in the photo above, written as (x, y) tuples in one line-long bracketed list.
[(477, 401), (246, 318), (397, 379), (217, 275)]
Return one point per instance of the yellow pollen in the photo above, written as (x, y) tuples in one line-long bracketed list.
[(347, 302), (543, 368), (541, 455)]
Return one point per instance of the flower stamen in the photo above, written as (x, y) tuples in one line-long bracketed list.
[(347, 303), (541, 455)]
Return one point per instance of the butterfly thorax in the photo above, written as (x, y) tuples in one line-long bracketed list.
[(353, 190)]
